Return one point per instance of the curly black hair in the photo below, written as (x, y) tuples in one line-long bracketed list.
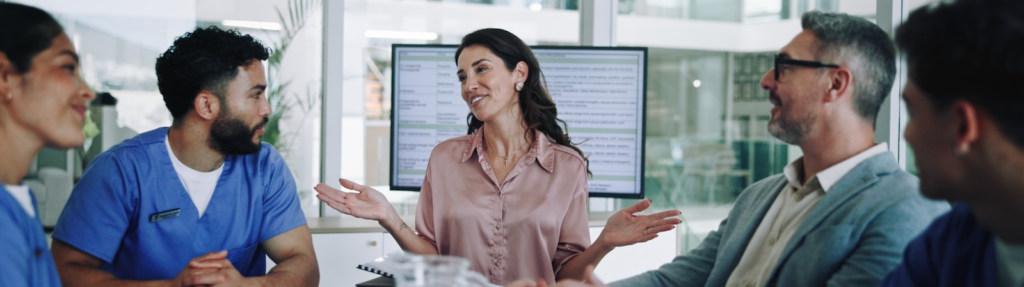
[(205, 59)]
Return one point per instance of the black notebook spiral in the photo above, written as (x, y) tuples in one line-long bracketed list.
[(375, 268)]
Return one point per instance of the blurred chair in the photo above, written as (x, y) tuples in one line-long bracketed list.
[(52, 188), (719, 183), (711, 168)]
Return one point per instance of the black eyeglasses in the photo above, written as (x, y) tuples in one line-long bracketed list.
[(782, 60)]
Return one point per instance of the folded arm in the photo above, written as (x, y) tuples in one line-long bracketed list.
[(80, 269), (293, 253)]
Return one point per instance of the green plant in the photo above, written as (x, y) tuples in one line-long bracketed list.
[(297, 16)]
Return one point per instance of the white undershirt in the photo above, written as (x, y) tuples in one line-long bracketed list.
[(199, 185), (1011, 264), (20, 193), (786, 214)]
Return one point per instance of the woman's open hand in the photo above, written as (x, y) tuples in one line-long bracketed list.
[(624, 228), (366, 203)]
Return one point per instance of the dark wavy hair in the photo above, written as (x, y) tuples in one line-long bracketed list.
[(205, 59), (539, 111), (970, 50), (25, 31)]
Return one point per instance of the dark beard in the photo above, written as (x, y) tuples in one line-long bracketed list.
[(230, 135)]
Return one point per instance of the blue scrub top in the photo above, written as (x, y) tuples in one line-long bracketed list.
[(110, 212), (955, 250), (25, 260)]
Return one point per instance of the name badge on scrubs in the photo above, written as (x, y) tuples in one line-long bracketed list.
[(165, 215)]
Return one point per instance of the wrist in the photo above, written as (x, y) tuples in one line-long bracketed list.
[(255, 281), (176, 282), (392, 222), (601, 245)]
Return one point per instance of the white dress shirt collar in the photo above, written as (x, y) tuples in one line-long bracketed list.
[(829, 176)]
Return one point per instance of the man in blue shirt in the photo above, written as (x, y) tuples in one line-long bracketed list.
[(200, 203), (964, 95)]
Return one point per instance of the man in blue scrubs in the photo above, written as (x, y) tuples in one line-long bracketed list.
[(200, 203), (966, 104)]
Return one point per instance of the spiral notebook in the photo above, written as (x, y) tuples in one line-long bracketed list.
[(376, 267)]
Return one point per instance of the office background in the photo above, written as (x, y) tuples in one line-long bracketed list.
[(707, 137)]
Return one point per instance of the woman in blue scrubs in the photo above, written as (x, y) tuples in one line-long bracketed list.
[(43, 100)]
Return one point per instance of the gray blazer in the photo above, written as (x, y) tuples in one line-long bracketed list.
[(853, 237)]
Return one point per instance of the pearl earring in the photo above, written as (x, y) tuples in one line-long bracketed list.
[(965, 148), (10, 95), (519, 87)]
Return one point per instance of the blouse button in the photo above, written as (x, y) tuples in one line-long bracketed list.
[(39, 252)]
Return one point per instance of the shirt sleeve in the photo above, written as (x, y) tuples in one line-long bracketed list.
[(100, 207), (281, 209), (425, 212), (574, 236), (16, 251)]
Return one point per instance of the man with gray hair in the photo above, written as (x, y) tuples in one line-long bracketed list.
[(841, 214)]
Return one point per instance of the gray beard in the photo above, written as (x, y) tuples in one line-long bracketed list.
[(790, 132)]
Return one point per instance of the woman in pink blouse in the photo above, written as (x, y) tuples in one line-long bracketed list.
[(512, 195)]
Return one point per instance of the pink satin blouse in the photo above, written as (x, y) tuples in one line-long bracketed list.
[(528, 226)]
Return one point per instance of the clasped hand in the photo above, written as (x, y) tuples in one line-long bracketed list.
[(212, 269)]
